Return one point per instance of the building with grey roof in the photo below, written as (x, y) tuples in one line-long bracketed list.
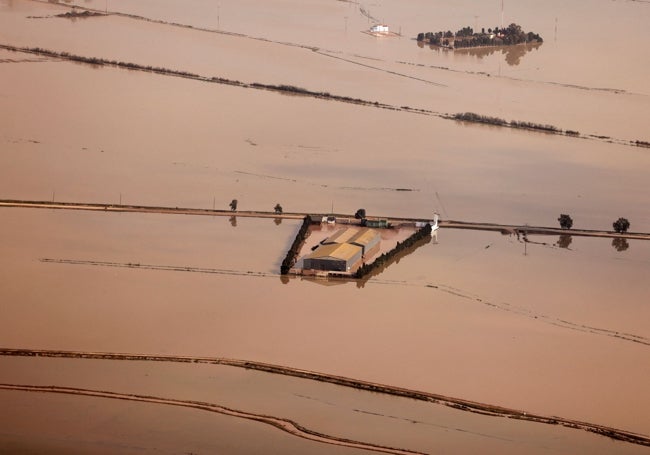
[(337, 257)]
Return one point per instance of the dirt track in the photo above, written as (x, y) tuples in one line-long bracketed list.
[(450, 224)]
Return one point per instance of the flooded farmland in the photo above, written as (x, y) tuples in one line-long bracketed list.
[(547, 325)]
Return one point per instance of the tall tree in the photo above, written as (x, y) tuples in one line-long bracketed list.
[(566, 222), (621, 225)]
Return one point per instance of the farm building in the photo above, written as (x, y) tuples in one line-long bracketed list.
[(374, 223), (367, 239), (340, 236), (338, 257)]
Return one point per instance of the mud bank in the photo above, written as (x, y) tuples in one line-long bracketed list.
[(468, 118), (286, 425), (456, 403)]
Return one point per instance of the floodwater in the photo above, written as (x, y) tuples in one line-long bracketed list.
[(556, 325), (333, 410)]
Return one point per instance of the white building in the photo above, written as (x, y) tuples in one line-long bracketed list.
[(379, 28)]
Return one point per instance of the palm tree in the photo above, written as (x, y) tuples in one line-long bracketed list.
[(277, 208)]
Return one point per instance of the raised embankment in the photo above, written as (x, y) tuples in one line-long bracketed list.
[(503, 228), (456, 403)]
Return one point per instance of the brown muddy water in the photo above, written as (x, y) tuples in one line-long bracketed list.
[(332, 410), (556, 326), (466, 315)]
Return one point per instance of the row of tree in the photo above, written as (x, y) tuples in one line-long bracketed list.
[(466, 37), (296, 246), (233, 206), (621, 225), (388, 256), (489, 120)]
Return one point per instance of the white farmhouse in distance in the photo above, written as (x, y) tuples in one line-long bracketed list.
[(379, 28)]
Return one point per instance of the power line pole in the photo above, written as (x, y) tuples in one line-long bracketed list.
[(501, 14)]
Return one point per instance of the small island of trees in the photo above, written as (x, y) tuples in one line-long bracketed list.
[(466, 37)]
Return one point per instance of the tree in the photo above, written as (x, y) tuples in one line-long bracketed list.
[(361, 213), (565, 221), (233, 205), (621, 225), (277, 208), (513, 29)]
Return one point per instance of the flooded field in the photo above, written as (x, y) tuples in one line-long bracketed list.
[(333, 410), (556, 325)]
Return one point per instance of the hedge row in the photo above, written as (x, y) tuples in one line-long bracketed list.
[(365, 269), (292, 254), (283, 88), (477, 118)]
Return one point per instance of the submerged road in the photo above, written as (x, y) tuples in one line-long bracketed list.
[(451, 224)]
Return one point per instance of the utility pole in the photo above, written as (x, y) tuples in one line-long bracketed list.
[(501, 14)]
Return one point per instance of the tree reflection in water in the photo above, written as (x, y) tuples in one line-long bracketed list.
[(513, 54), (564, 241), (620, 244), (233, 221)]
